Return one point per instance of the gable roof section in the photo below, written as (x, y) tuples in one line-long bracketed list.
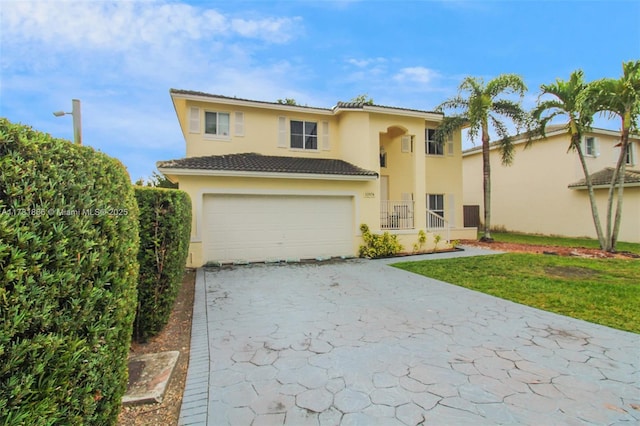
[(602, 178), (252, 164), (551, 130), (340, 106), (230, 99)]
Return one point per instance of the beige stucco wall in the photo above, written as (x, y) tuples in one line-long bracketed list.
[(260, 132), (365, 208), (532, 195), (355, 136)]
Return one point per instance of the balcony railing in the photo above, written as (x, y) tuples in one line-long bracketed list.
[(396, 214)]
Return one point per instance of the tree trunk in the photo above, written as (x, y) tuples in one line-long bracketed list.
[(486, 184), (616, 179), (623, 153), (592, 196)]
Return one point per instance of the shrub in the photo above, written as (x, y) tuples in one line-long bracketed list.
[(384, 245), (68, 272), (165, 230)]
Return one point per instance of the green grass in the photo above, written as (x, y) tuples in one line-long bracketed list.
[(603, 291), (512, 237)]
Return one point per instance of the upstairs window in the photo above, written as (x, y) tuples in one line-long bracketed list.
[(304, 134), (630, 154), (432, 147), (590, 146), (216, 123)]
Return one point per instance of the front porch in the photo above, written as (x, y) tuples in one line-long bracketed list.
[(399, 215)]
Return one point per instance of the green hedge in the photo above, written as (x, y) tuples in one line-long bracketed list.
[(165, 230), (68, 273)]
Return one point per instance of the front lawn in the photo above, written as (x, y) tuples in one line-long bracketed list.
[(603, 291), (513, 237)]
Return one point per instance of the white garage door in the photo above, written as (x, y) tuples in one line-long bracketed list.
[(270, 227)]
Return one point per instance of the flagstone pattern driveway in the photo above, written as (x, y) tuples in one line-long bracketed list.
[(362, 343)]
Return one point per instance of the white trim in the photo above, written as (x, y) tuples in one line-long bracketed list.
[(249, 103), (607, 186), (518, 139), (271, 175), (427, 116)]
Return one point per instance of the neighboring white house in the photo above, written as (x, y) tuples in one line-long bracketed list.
[(543, 191)]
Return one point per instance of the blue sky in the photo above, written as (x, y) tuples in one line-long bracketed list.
[(121, 58)]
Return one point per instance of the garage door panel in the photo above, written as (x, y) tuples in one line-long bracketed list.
[(259, 227)]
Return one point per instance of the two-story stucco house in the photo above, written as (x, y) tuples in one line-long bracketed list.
[(544, 191), (271, 181)]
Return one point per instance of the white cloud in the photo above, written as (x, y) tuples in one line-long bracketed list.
[(363, 63), (416, 74), (125, 25)]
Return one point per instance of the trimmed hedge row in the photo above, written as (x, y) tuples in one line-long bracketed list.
[(165, 230), (68, 275)]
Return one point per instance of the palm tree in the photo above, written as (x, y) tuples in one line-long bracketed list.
[(568, 102), (620, 98), (478, 106)]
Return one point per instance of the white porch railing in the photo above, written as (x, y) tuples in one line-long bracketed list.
[(436, 223), (396, 214)]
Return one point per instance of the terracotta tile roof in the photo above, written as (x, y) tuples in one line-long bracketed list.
[(213, 96), (252, 162), (340, 104), (361, 105), (603, 177)]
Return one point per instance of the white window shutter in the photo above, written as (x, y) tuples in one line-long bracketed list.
[(450, 145), (596, 147), (406, 143), (194, 120), (452, 210), (239, 123), (282, 132), (326, 146)]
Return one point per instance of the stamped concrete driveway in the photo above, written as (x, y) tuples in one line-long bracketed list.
[(360, 342)]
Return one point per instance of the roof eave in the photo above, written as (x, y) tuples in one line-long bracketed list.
[(426, 115), (250, 103), (607, 186), (268, 175)]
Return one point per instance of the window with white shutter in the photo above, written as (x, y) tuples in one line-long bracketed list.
[(405, 145), (239, 123), (194, 120), (282, 132), (326, 146)]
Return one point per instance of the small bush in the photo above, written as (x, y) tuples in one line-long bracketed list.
[(377, 246), (165, 230), (68, 273)]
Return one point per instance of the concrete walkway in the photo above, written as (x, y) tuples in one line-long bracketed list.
[(362, 343)]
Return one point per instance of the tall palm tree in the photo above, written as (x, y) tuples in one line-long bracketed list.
[(620, 98), (479, 106), (568, 102)]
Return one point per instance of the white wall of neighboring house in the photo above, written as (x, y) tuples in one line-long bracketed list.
[(532, 194)]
